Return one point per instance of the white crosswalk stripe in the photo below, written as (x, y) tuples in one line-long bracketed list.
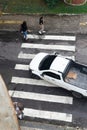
[(35, 96), (52, 37), (21, 80), (41, 97), (48, 115), (25, 56), (22, 55), (49, 47), (21, 67)]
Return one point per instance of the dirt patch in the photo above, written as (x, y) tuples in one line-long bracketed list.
[(78, 1), (75, 2)]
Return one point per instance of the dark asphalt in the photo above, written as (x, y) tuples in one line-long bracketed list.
[(10, 46)]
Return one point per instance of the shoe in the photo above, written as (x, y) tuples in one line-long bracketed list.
[(40, 32), (26, 38), (44, 31)]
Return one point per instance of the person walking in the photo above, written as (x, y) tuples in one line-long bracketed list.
[(41, 23), (24, 29)]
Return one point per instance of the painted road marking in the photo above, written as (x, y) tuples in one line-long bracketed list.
[(41, 97), (21, 80), (10, 22), (48, 47), (25, 55), (21, 67), (52, 37), (31, 56), (28, 56), (83, 23), (48, 115)]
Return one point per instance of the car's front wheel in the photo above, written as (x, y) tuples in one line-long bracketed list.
[(31, 75), (76, 94)]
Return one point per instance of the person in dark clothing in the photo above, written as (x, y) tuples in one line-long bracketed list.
[(41, 23), (24, 29)]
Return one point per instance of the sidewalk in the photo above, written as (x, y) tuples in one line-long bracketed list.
[(8, 119), (27, 125), (60, 23)]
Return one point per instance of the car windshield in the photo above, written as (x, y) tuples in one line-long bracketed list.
[(46, 62)]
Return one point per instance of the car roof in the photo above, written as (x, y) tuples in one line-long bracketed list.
[(59, 64)]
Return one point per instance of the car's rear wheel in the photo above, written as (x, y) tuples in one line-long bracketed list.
[(76, 94)]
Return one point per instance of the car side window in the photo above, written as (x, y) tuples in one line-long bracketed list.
[(52, 75)]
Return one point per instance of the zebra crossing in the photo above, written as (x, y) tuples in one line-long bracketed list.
[(43, 98), (52, 37), (42, 46)]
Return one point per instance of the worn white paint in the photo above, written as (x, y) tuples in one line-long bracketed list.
[(48, 115), (52, 37), (49, 47), (21, 80), (41, 97)]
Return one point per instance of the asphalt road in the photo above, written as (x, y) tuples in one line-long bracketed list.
[(10, 47)]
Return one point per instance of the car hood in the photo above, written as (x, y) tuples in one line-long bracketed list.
[(34, 64)]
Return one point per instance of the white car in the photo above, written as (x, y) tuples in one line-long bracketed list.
[(61, 71)]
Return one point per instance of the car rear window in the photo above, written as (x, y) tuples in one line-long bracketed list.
[(46, 62)]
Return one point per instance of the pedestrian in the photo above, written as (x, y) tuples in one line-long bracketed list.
[(19, 109), (24, 29), (41, 23)]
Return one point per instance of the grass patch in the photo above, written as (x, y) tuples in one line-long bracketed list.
[(39, 6)]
